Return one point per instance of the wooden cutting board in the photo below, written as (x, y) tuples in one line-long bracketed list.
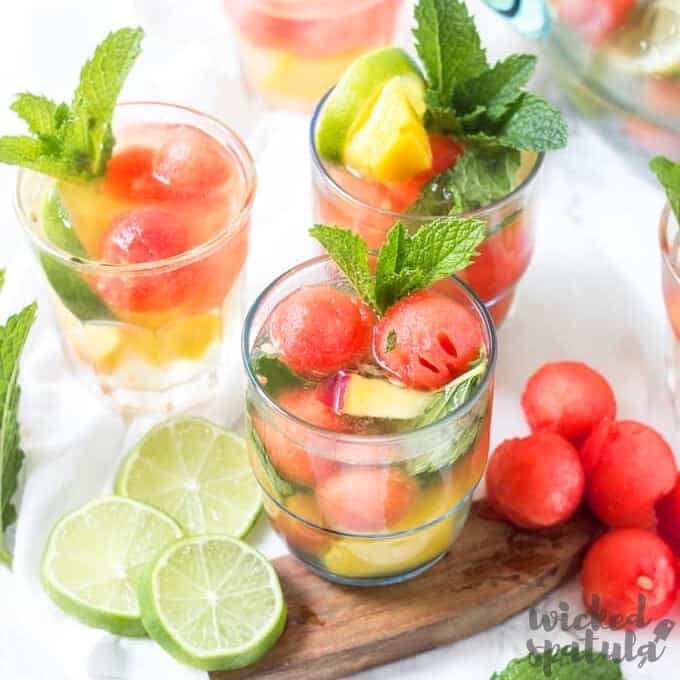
[(492, 572)]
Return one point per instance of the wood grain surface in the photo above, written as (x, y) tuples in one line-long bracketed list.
[(492, 572)]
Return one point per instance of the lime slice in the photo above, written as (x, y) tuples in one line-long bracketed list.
[(649, 44), (354, 95), (197, 473), (67, 283), (95, 557), (212, 602)]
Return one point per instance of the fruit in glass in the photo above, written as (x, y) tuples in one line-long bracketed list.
[(364, 478)]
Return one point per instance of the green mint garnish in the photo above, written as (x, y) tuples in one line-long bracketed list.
[(12, 339), (283, 487), (75, 142), (567, 664), (391, 341), (486, 107), (273, 375), (405, 263), (481, 176), (467, 429), (668, 174)]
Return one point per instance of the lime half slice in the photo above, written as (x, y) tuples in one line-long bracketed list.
[(95, 557), (649, 44), (197, 473), (353, 97), (212, 602)]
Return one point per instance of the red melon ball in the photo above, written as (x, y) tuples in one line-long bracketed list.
[(629, 467), (568, 398)]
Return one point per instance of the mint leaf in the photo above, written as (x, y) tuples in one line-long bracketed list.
[(444, 246), (448, 45), (2, 279), (39, 113), (494, 89), (533, 125), (467, 429), (405, 263), (88, 139), (12, 339), (668, 174), (480, 176), (350, 254), (391, 341), (273, 375), (282, 487), (75, 142), (567, 664), (33, 154)]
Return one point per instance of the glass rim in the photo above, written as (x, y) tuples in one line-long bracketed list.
[(402, 533), (348, 197), (198, 252), (667, 216), (351, 438)]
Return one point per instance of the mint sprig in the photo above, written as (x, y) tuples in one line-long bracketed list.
[(76, 141), (668, 174), (567, 664), (404, 263), (486, 107), (12, 339)]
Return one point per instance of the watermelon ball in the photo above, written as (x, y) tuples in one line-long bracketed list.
[(319, 329), (284, 440), (368, 499), (141, 235), (629, 467), (190, 163), (668, 515), (129, 175), (622, 566), (426, 340), (569, 398), (535, 482)]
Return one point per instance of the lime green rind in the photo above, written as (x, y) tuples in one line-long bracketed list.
[(221, 660), (67, 283), (116, 622), (134, 459), (358, 88)]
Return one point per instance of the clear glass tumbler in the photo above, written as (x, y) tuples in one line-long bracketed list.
[(291, 52), (343, 199), (387, 467), (149, 332)]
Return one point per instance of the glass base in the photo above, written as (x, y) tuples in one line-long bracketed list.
[(368, 581), (173, 400)]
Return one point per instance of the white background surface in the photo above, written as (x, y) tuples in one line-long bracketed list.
[(592, 293)]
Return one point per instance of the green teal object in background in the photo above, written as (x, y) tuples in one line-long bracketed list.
[(530, 17)]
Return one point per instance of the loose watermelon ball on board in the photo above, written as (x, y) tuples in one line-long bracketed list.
[(426, 340), (668, 514), (319, 329), (568, 398), (535, 482), (629, 468), (623, 566)]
